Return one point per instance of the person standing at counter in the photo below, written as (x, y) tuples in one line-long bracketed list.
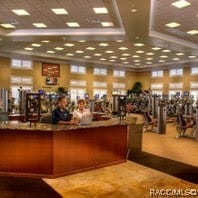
[(60, 115), (81, 111)]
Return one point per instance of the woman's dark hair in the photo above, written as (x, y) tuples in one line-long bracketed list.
[(60, 98), (81, 101)]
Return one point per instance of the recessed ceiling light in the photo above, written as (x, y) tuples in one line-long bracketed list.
[(172, 25), (79, 51), (156, 48), (135, 56), (136, 61), (21, 12), (59, 11), (150, 54), (7, 25), (39, 25), (90, 48), (123, 58), (87, 57), (70, 54), (163, 56), (192, 32), (122, 48), (103, 44), (149, 63), (45, 41), (82, 41), (166, 50), (69, 44), (192, 56), (139, 44), (181, 4), (36, 45), (114, 57), (29, 48), (161, 61), (107, 24), (179, 54), (101, 10), (140, 52), (125, 62), (112, 60), (50, 52), (149, 58), (73, 24), (103, 59), (137, 64), (59, 48), (175, 59), (133, 10), (109, 51), (119, 41), (97, 54), (126, 54)]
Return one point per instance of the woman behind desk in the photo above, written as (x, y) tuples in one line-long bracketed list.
[(60, 115), (81, 112)]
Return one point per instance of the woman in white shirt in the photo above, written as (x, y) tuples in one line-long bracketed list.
[(81, 111)]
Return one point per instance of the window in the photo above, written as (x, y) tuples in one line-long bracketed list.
[(117, 85), (174, 92), (194, 93), (99, 92), (21, 80), (21, 64), (99, 84), (156, 86), (194, 85), (78, 83), (77, 93), (158, 73), (157, 92), (15, 92), (100, 71), (78, 69), (176, 72), (119, 92), (176, 86), (194, 70), (119, 73)]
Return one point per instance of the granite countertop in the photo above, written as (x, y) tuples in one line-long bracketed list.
[(15, 125)]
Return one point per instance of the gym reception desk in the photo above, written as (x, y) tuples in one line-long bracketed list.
[(56, 150)]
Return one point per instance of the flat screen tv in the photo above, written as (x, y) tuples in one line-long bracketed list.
[(51, 81)]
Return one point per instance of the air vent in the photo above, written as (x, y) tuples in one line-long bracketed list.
[(93, 20)]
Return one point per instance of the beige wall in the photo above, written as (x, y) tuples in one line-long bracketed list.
[(65, 76), (147, 80)]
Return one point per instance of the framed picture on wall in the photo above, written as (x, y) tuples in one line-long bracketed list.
[(51, 69), (51, 81)]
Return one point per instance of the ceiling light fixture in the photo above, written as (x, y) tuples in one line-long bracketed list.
[(97, 54), (100, 10), (150, 54), (139, 44), (107, 24), (59, 11), (87, 57), (39, 25), (36, 45), (79, 52), (90, 48), (122, 48), (103, 59), (69, 54), (192, 56), (109, 51), (119, 41), (82, 41), (126, 54), (59, 48), (7, 25), (21, 12), (161, 61), (114, 57), (135, 56), (50, 52), (180, 54), (140, 52), (192, 32), (181, 4), (103, 44), (29, 48), (172, 24), (69, 44), (73, 24), (163, 56), (166, 50), (175, 59), (45, 41), (156, 48)]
